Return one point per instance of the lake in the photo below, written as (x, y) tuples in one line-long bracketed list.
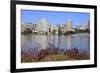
[(38, 42)]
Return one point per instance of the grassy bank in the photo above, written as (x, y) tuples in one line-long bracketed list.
[(54, 54)]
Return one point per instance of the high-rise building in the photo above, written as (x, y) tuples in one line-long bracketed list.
[(78, 26), (62, 28), (87, 25), (42, 26), (69, 25)]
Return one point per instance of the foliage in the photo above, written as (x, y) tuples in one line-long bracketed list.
[(54, 54)]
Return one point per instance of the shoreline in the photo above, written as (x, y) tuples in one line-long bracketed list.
[(54, 54), (53, 34)]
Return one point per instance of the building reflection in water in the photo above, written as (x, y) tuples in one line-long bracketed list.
[(41, 41), (31, 42), (69, 42)]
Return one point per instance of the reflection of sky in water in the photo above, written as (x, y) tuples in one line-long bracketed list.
[(80, 41)]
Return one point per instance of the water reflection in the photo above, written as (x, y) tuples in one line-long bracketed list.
[(38, 42)]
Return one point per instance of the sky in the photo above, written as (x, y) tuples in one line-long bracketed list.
[(53, 17)]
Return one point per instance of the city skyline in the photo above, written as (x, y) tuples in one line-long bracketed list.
[(54, 18)]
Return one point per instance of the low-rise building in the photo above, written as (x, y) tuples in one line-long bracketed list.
[(26, 26)]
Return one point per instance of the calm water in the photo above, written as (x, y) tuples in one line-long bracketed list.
[(38, 42)]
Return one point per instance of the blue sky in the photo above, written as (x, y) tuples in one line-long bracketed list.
[(54, 18)]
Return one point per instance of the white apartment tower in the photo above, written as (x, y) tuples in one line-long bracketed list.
[(42, 26), (69, 25)]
